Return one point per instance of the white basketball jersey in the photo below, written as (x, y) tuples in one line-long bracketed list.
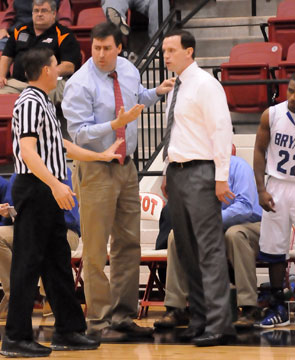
[(281, 149)]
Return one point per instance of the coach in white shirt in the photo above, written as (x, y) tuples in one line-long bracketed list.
[(198, 147)]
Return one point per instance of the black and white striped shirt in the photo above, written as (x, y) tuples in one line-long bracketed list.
[(34, 115)]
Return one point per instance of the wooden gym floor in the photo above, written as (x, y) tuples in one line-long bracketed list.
[(277, 344)]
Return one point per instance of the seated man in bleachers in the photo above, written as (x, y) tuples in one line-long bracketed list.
[(43, 31), (19, 12), (72, 220), (116, 10), (241, 222)]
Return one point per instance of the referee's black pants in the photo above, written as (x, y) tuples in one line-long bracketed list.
[(196, 220), (40, 248)]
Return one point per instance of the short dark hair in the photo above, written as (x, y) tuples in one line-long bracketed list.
[(292, 77), (34, 60), (186, 38), (52, 3), (105, 29)]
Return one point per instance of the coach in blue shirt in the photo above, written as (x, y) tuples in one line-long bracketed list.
[(109, 193)]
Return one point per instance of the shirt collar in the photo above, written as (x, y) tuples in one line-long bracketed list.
[(187, 72)]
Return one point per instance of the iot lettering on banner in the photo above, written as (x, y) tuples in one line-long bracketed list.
[(151, 206), (148, 204)]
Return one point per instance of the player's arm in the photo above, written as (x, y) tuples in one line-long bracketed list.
[(261, 145), (61, 192)]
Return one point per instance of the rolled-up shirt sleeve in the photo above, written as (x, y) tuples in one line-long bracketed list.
[(77, 105)]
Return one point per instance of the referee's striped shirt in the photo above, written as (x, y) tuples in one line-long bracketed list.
[(34, 115)]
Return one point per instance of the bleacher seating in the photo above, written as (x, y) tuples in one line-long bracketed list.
[(86, 20), (2, 15), (281, 28), (79, 5), (250, 61), (6, 106), (286, 69)]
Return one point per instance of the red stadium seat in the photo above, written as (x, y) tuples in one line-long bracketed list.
[(286, 8), (281, 28), (79, 5), (286, 69), (250, 61), (86, 20), (2, 15), (6, 108)]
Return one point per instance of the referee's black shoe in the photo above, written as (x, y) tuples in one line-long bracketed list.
[(23, 348), (73, 341)]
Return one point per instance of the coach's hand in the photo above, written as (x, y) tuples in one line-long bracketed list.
[(223, 192)]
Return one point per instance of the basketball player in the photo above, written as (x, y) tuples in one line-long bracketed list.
[(275, 154)]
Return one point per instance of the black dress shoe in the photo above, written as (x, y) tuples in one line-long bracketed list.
[(23, 348), (73, 341), (132, 330), (209, 339), (191, 332)]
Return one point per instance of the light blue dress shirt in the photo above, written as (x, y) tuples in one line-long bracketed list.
[(245, 206), (89, 104)]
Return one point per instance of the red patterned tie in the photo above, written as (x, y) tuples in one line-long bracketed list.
[(120, 133)]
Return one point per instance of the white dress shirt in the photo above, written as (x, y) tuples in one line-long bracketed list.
[(202, 128)]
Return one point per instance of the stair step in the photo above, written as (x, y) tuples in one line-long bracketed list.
[(209, 47), (226, 27)]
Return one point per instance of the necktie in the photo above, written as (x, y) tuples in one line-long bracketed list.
[(120, 133), (170, 118)]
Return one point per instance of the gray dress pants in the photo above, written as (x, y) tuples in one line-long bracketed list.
[(197, 225)]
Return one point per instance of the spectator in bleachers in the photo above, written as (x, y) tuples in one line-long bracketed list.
[(43, 31), (19, 12), (94, 104), (241, 226), (72, 220), (274, 154), (116, 10)]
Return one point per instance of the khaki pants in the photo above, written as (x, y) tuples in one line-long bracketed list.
[(16, 87), (242, 247), (109, 205)]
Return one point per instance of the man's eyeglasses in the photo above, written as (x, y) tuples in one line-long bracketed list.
[(41, 11)]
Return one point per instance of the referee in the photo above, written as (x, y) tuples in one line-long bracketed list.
[(40, 245)]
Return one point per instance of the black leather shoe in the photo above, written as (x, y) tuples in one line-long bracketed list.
[(172, 318), (23, 348), (132, 330), (190, 333), (209, 339), (73, 341)]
